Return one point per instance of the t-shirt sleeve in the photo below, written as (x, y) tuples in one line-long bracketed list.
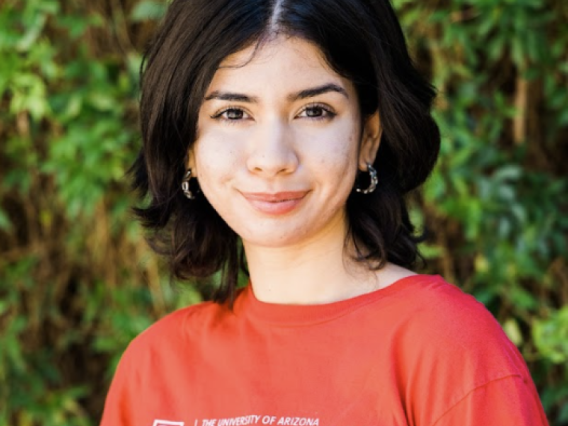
[(509, 401), (144, 370), (118, 410)]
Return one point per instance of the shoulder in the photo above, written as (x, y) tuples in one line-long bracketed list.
[(454, 344), (439, 333), (444, 321), (443, 313), (448, 344), (441, 308)]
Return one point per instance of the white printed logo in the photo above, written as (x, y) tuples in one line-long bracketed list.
[(166, 423)]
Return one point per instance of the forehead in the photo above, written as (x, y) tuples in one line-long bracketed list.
[(285, 63)]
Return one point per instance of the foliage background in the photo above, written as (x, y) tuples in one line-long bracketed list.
[(77, 281)]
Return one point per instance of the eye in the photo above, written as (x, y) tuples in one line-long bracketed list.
[(231, 114), (317, 111)]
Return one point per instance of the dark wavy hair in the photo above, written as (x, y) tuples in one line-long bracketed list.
[(361, 40)]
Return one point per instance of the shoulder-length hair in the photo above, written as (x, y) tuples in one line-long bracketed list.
[(361, 40)]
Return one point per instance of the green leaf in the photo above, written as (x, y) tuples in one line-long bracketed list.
[(5, 223), (513, 331), (550, 336), (148, 10)]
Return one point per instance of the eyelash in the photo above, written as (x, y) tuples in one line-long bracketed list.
[(327, 113), (219, 114)]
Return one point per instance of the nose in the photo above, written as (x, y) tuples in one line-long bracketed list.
[(272, 150)]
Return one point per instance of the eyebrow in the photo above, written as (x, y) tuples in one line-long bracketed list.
[(303, 94), (320, 90), (227, 96)]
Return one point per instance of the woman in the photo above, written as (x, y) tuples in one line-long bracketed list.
[(286, 133)]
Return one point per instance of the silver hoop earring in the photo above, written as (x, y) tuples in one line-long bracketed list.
[(374, 180), (185, 186)]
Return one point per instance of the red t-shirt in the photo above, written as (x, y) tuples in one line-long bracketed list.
[(419, 353)]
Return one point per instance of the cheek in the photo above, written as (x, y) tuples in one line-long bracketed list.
[(337, 149), (215, 156)]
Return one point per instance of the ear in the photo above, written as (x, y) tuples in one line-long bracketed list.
[(190, 162), (370, 141)]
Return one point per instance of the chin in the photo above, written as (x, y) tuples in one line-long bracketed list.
[(276, 239)]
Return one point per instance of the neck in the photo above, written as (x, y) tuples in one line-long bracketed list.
[(314, 272)]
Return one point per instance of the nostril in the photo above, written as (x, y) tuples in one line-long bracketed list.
[(272, 156)]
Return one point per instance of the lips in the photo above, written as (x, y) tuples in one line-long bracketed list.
[(275, 203)]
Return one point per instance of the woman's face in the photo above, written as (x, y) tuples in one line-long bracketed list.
[(279, 143)]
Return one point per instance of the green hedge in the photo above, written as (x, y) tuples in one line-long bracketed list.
[(77, 280)]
